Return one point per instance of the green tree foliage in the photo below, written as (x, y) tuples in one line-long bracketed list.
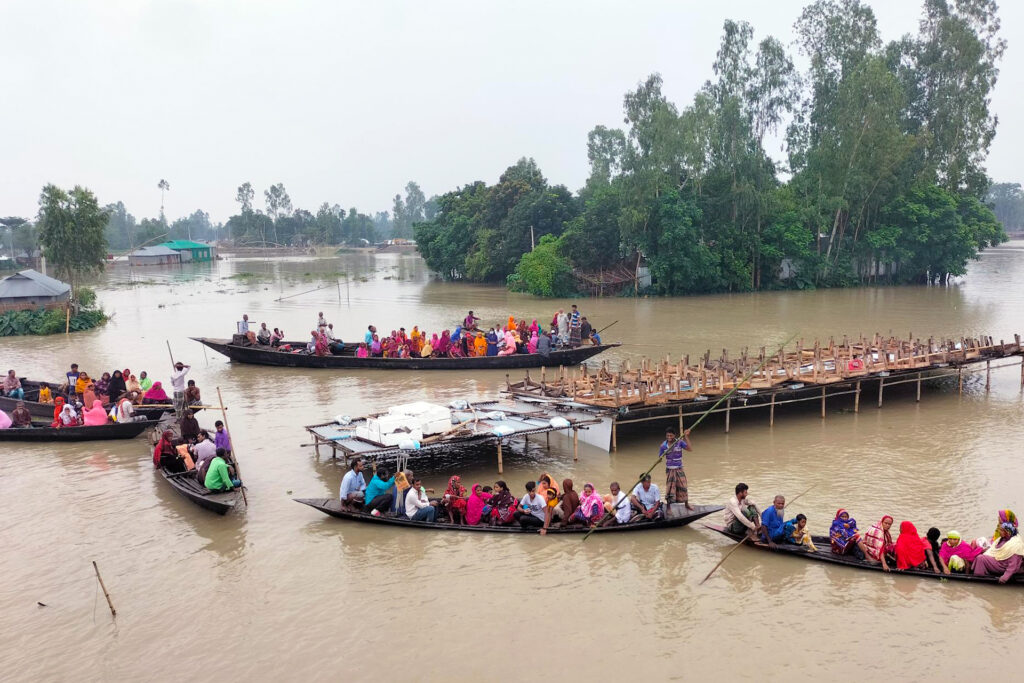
[(71, 232), (543, 271)]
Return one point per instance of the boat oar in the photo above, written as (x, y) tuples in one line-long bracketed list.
[(234, 456), (605, 327), (170, 353), (744, 540), (701, 418)]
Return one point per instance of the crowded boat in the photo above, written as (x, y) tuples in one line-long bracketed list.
[(208, 457), (999, 555)]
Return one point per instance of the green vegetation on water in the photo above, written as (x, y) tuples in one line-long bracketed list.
[(42, 321)]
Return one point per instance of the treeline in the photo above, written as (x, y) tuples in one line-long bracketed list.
[(883, 179), (1007, 200)]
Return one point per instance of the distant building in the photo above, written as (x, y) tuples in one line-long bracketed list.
[(158, 255), (31, 289), (191, 251)]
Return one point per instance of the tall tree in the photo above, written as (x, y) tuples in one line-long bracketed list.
[(71, 227), (164, 187)]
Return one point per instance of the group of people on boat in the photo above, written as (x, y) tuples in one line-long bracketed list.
[(208, 457), (567, 330), (84, 401), (1000, 556)]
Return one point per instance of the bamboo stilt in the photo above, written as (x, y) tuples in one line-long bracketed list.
[(856, 399), (501, 467), (881, 385)]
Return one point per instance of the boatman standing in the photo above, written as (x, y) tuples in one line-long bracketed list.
[(178, 384), (675, 478)]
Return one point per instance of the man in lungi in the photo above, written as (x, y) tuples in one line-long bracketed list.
[(675, 478)]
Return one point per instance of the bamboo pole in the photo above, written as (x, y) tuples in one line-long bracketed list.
[(575, 444), (110, 604), (771, 412), (919, 387), (67, 320), (988, 374), (500, 465), (728, 412), (234, 451), (960, 378), (856, 399), (823, 403), (881, 384)]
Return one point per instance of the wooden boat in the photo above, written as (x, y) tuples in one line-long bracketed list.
[(825, 554), (186, 484), (111, 430), (266, 355), (45, 410), (332, 507)]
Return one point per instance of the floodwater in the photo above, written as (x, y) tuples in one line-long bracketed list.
[(278, 591)]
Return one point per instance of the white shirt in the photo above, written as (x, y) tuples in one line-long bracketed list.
[(734, 510), (125, 411), (178, 379), (205, 449), (243, 326), (648, 498), (534, 505), (624, 512), (415, 500)]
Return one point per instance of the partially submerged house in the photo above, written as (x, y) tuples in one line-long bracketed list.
[(30, 289)]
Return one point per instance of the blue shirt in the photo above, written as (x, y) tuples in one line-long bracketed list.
[(773, 523), (674, 454), (352, 482), (378, 486), (368, 337)]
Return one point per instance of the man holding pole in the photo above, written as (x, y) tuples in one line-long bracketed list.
[(675, 478), (178, 384)]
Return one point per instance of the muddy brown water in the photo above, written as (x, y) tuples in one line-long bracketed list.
[(279, 592)]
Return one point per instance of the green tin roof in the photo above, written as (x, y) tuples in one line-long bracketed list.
[(184, 244)]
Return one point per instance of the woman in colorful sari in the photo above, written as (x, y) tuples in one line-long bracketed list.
[(81, 383), (510, 344), (375, 347), (455, 349), (511, 322), (591, 507), (1004, 557), (321, 347), (89, 395), (795, 533), (912, 551), (958, 554), (133, 387), (102, 387), (480, 345), (362, 352), (476, 505), (570, 499), (67, 417), (163, 448), (58, 408), (844, 536), (156, 394), (1005, 517), (96, 415), (414, 339), (878, 542), (444, 344), (545, 482), (503, 505), (531, 346), (454, 500), (534, 327)]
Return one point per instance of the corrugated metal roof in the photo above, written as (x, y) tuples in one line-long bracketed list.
[(158, 250), (184, 244), (28, 283)]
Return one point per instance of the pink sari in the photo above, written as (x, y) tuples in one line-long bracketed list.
[(475, 505)]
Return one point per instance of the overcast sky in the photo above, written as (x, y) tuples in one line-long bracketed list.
[(345, 102)]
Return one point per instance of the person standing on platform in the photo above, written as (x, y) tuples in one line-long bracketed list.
[(675, 478)]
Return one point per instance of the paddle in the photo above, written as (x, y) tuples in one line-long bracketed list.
[(606, 327), (701, 419), (744, 540), (234, 455)]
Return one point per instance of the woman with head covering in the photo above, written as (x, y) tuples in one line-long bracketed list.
[(444, 344), (570, 499), (1004, 557), (362, 351), (591, 507), (82, 382), (454, 501), (116, 387), (189, 427), (321, 348), (480, 345), (156, 394), (844, 536), (912, 551), (133, 387), (96, 415), (375, 347), (102, 385), (45, 395), (503, 505), (67, 417), (476, 504), (5, 420), (58, 406), (510, 344), (511, 322), (531, 346), (878, 542), (89, 395), (165, 455), (1005, 517), (958, 554)]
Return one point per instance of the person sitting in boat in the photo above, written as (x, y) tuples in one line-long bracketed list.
[(1004, 517), (117, 387), (591, 508), (96, 415), (530, 513), (334, 345), (189, 427), (276, 337), (469, 322), (570, 500), (219, 476), (163, 451), (133, 388), (418, 507), (12, 386), (45, 395), (595, 338), (125, 411), (89, 395), (353, 487), (204, 447), (741, 515), (5, 420), (192, 394), (362, 351), (796, 533), (646, 498), (1003, 559), (20, 417), (321, 322), (378, 496), (479, 345), (531, 346), (454, 501), (914, 552), (82, 383), (509, 346), (503, 505), (476, 505), (619, 510), (773, 521), (263, 335), (221, 438), (552, 510), (844, 536), (878, 543), (155, 395), (375, 348), (544, 482), (145, 382), (102, 388), (958, 555)]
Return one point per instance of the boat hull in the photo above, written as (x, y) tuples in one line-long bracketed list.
[(122, 430), (187, 485), (332, 507), (265, 355), (45, 410)]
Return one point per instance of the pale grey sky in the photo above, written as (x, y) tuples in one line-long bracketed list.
[(345, 102)]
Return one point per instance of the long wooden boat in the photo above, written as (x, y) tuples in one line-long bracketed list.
[(187, 485), (111, 430), (332, 507), (266, 355), (825, 554), (45, 410)]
